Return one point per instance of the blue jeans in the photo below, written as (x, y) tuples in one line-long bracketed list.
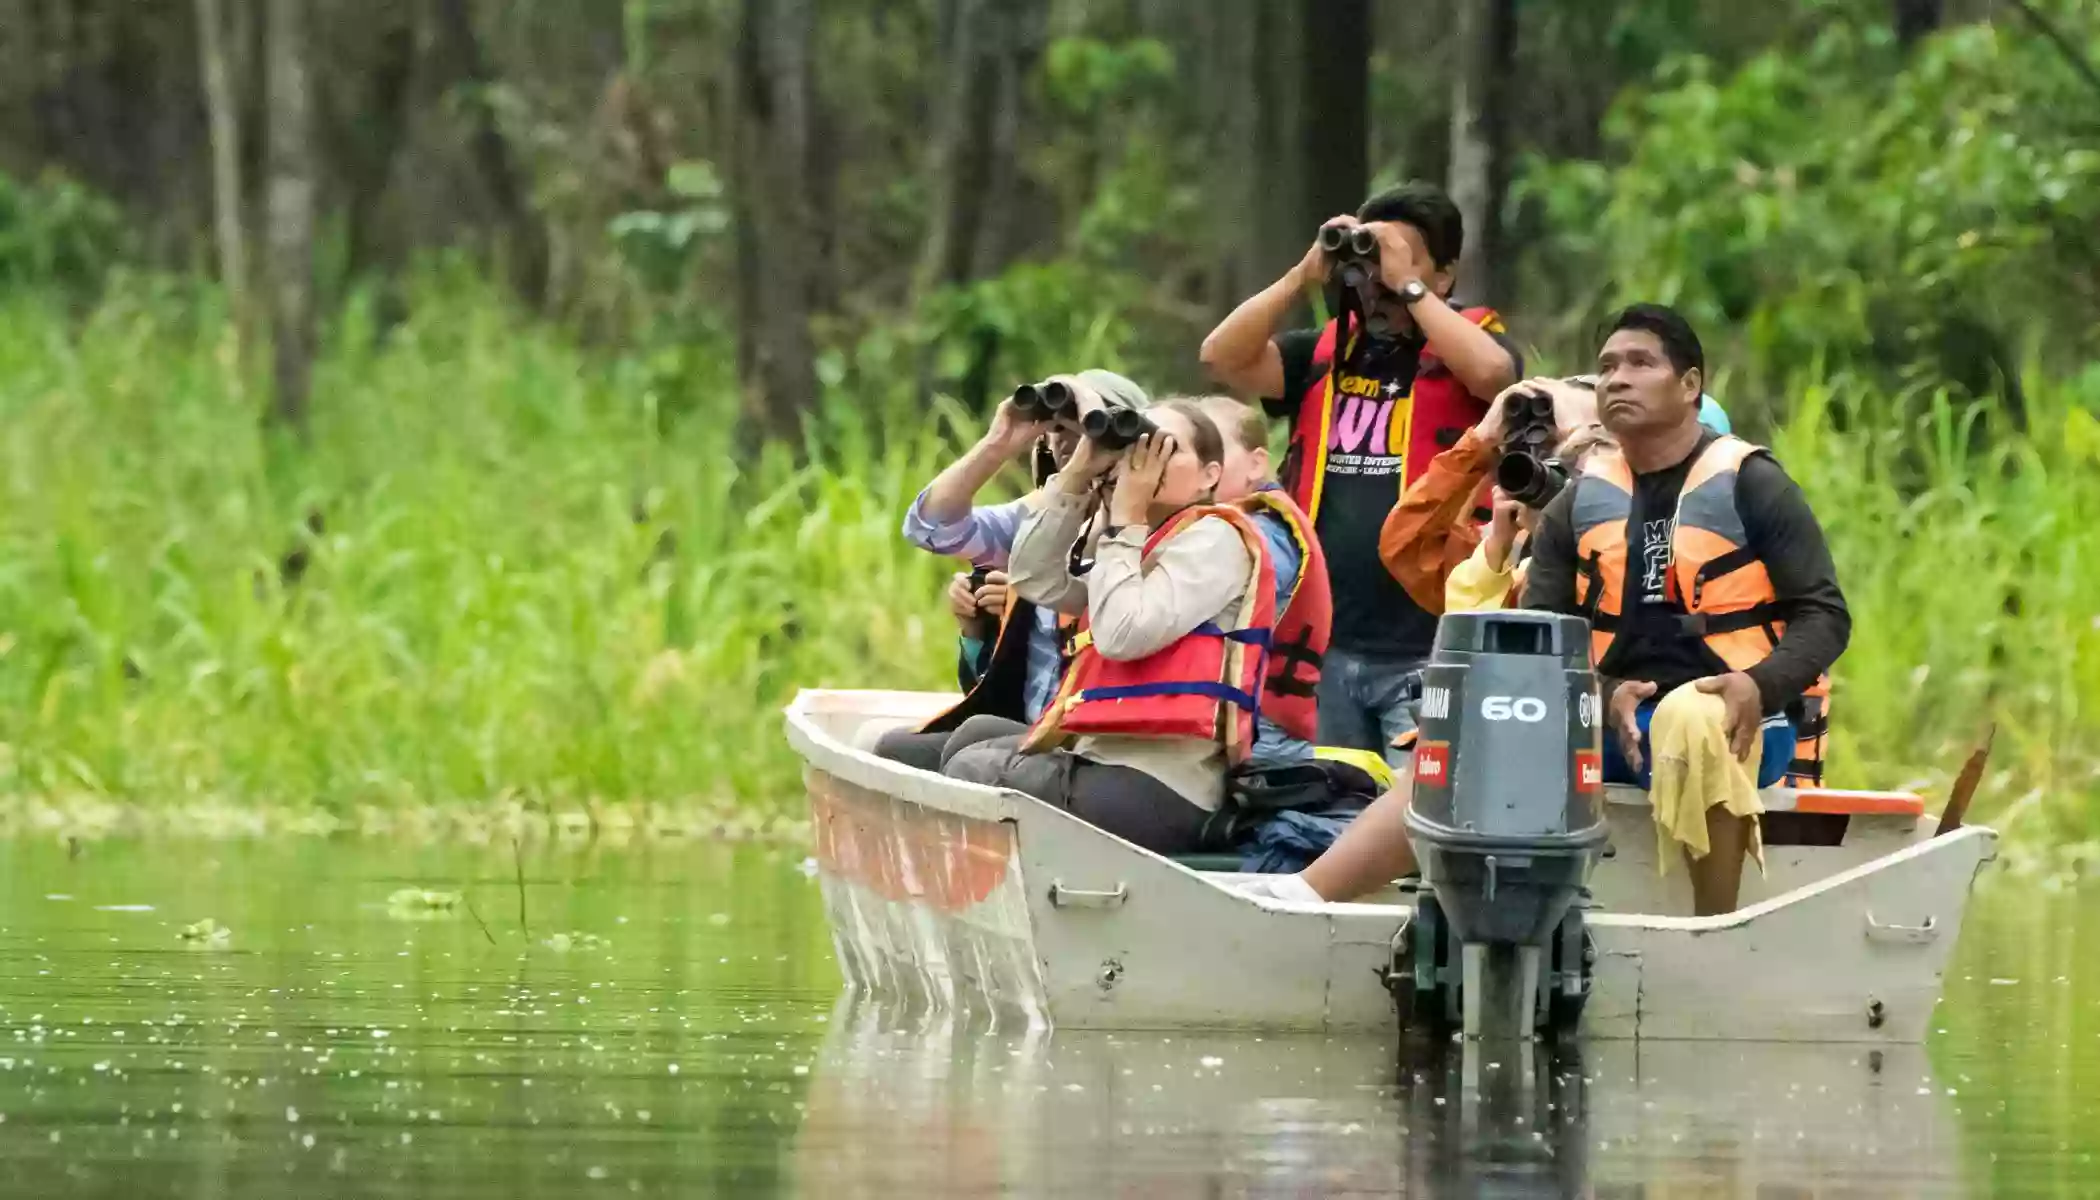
[(1778, 752), (1363, 702)]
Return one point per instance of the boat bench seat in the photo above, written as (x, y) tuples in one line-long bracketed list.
[(1227, 863), (1813, 816)]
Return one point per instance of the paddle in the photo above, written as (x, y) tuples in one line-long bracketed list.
[(1965, 784)]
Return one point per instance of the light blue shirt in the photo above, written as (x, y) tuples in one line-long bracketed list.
[(1271, 743), (1712, 415)]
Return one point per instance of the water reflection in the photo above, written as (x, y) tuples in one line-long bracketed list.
[(904, 1104), (685, 1039)]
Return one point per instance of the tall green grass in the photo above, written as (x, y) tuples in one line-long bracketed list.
[(1969, 551), (532, 584), (524, 585)]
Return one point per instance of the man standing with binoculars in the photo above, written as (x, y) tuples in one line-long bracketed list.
[(1371, 397)]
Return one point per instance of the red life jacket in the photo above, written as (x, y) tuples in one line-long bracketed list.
[(1299, 646), (1207, 685), (1436, 411)]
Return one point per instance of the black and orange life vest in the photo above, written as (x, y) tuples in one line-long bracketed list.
[(1208, 685), (1298, 651), (1002, 691), (1434, 414), (1715, 578)]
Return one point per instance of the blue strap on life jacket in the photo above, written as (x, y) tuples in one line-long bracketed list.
[(1257, 637), (1135, 691)]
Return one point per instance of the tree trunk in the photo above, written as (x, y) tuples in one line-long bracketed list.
[(224, 111), (776, 246), (1916, 19), (1479, 178), (1335, 149), (1259, 143), (291, 210), (989, 48), (525, 240)]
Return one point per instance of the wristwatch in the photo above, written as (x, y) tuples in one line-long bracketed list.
[(1413, 291)]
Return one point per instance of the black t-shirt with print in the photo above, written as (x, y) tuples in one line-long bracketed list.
[(1373, 614)]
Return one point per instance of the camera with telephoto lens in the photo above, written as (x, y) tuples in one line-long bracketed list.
[(1116, 426), (1049, 400), (1354, 250), (1529, 472)]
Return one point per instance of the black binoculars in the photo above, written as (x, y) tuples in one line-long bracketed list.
[(1046, 401), (1117, 427), (1529, 472), (1354, 249)]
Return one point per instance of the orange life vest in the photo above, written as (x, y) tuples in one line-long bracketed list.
[(1434, 414), (1714, 577), (1207, 685), (1298, 650)]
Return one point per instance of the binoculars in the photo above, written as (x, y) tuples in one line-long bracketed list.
[(1116, 427), (1111, 427), (1047, 401), (1529, 472), (1355, 251)]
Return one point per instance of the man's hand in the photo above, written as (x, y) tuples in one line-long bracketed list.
[(1625, 702), (1402, 256), (1131, 504), (1011, 433), (1316, 264), (1745, 709), (1502, 531), (991, 598)]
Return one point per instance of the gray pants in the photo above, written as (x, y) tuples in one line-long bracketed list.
[(1122, 800), (931, 751), (1363, 705)]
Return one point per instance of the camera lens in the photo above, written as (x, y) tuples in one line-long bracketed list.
[(1529, 479)]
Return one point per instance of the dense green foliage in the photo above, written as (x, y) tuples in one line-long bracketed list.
[(1929, 229)]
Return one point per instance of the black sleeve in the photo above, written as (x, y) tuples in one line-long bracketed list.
[(1549, 582), (1297, 348), (1787, 538), (1516, 356)]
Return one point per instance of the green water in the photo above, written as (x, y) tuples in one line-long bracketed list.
[(683, 1036)]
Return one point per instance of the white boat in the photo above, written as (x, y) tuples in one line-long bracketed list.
[(963, 897)]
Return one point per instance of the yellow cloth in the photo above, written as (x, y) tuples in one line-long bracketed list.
[(1473, 586), (1370, 762), (1694, 770)]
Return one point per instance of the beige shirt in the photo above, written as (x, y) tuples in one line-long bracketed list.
[(1137, 609)]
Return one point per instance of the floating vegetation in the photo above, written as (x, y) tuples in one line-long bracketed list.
[(564, 943), (415, 903), (91, 818), (206, 934)]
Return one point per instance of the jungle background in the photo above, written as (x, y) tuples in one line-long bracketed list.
[(419, 402)]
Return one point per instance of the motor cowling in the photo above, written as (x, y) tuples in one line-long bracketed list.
[(1508, 802)]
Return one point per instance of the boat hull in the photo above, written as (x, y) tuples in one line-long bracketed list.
[(951, 895)]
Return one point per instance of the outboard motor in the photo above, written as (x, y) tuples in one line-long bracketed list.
[(1507, 818)]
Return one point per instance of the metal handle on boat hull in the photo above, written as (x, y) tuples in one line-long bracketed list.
[(1876, 931), (1064, 897)]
